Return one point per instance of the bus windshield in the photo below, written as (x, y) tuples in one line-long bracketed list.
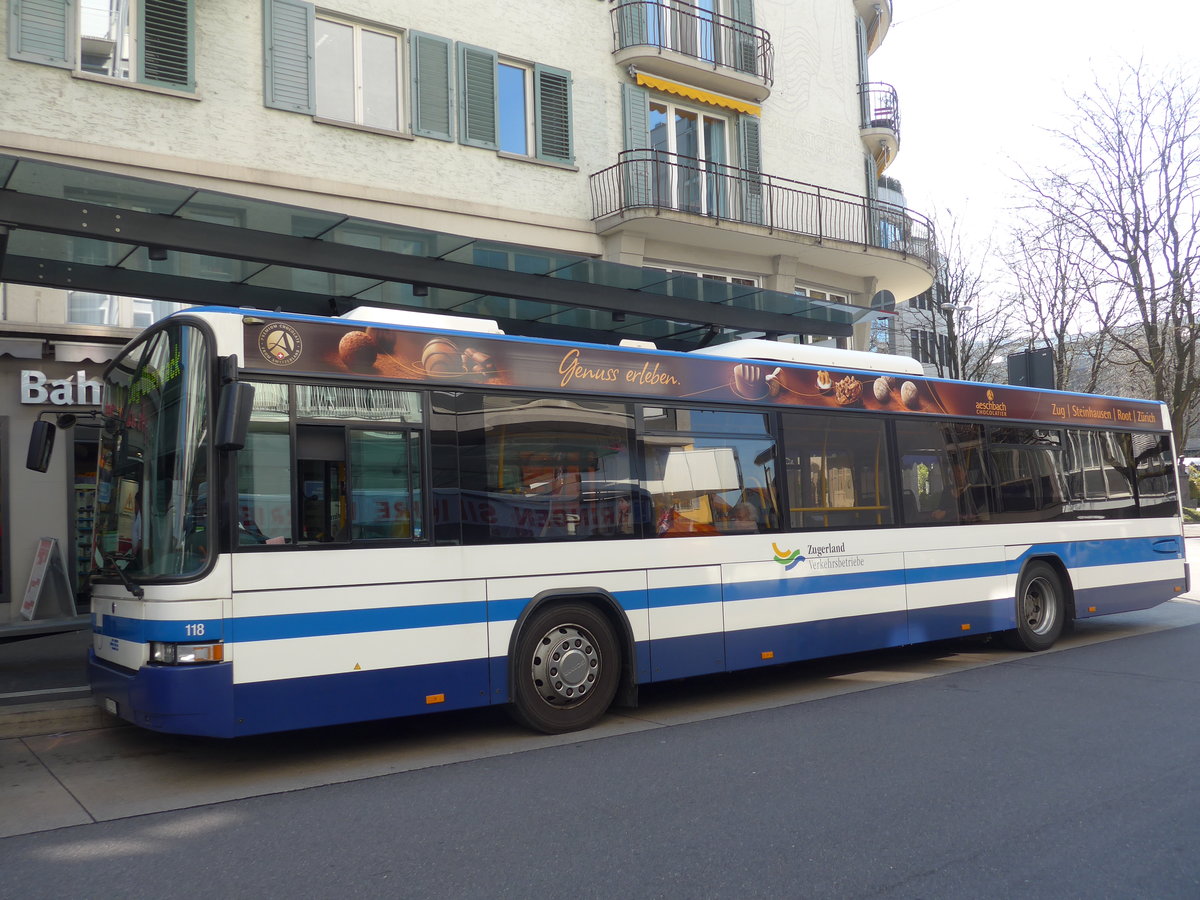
[(152, 509)]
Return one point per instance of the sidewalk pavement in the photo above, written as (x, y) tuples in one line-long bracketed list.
[(44, 687)]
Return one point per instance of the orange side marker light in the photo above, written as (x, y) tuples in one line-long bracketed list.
[(768, 654), (966, 627), (435, 698)]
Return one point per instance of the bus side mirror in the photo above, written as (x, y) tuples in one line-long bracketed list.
[(41, 445), (233, 415)]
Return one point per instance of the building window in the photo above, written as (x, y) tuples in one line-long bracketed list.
[(142, 41), (700, 144), (706, 275), (929, 348), (514, 99), (89, 308), (358, 74), (826, 297), (147, 41), (511, 106)]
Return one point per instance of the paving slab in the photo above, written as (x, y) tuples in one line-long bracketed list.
[(34, 800)]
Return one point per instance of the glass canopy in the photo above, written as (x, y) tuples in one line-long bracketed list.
[(83, 229)]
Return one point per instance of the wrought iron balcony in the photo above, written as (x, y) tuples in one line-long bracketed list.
[(678, 40), (880, 122), (654, 181)]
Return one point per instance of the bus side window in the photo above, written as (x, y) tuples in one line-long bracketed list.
[(926, 478), (385, 476), (709, 472), (837, 471), (264, 471)]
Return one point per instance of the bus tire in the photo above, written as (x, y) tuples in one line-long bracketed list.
[(1041, 609), (566, 669)]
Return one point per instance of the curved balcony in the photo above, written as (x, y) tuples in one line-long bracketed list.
[(877, 16), (880, 128), (675, 198), (693, 45)]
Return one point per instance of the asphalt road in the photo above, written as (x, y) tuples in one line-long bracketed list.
[(963, 772)]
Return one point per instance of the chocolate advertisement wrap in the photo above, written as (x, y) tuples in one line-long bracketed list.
[(383, 352)]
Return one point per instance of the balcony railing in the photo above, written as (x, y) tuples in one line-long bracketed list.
[(656, 180), (695, 32), (880, 106)]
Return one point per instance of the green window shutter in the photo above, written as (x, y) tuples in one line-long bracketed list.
[(552, 93), (290, 78), (745, 45), (751, 162), (637, 170), (42, 31), (432, 86), (165, 36), (478, 101), (636, 106)]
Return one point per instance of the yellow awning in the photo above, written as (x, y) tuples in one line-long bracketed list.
[(691, 93)]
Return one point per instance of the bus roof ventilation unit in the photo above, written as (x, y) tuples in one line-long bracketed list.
[(414, 319), (811, 355)]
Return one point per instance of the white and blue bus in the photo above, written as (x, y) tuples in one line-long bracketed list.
[(306, 521)]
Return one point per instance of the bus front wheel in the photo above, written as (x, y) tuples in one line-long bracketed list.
[(1041, 609), (566, 669)]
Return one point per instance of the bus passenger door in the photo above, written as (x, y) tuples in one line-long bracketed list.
[(321, 476)]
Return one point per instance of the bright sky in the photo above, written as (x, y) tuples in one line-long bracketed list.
[(979, 80)]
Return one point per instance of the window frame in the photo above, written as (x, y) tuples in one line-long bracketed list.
[(141, 46), (399, 36)]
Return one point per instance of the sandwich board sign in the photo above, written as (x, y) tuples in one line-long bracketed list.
[(49, 594)]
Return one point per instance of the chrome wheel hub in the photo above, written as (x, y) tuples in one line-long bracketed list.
[(1038, 607), (565, 665)]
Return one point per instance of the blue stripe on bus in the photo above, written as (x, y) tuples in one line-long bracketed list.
[(1119, 551), (689, 595), (286, 626), (812, 584), (142, 631), (354, 621)]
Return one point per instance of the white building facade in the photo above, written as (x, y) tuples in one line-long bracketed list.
[(739, 141)]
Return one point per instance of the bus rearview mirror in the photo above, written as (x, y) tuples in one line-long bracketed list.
[(41, 445), (233, 415)]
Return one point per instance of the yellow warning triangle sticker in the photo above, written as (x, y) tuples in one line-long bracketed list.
[(357, 667)]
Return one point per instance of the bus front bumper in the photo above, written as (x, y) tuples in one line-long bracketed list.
[(195, 699)]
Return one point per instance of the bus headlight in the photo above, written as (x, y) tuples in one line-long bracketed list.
[(183, 654)]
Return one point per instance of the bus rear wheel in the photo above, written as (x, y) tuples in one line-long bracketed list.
[(1041, 609), (566, 669)]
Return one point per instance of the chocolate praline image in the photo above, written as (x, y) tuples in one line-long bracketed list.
[(358, 350)]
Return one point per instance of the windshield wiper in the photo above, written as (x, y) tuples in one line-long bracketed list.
[(110, 562)]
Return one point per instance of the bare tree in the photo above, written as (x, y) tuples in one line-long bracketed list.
[(971, 326), (1133, 199), (1056, 290)]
